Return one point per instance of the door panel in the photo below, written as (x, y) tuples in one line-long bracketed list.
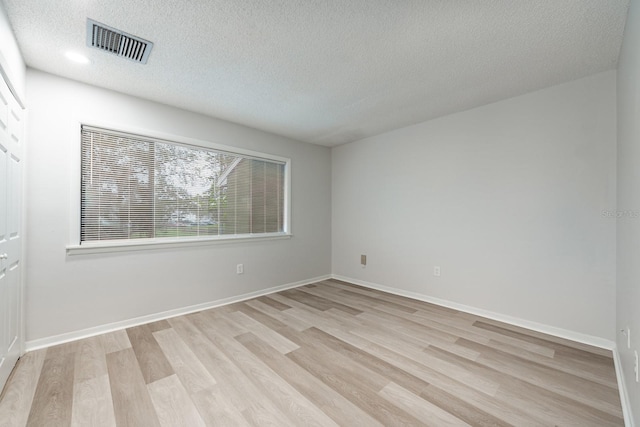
[(13, 298), (4, 110), (4, 171), (15, 181), (11, 169), (15, 125)]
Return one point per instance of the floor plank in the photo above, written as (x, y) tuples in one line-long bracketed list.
[(90, 360), (54, 394), (274, 304), (218, 365), (354, 382), (115, 341), (573, 387), (216, 409), (153, 363), (340, 410), (17, 397), (131, 402), (92, 404), (278, 342), (192, 373), (421, 409), (172, 403)]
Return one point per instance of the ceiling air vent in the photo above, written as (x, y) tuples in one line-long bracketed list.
[(118, 42)]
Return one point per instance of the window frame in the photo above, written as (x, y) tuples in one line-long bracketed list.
[(76, 247)]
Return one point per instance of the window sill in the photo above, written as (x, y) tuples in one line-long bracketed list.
[(153, 244)]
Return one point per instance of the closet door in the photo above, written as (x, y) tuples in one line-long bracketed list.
[(11, 166)]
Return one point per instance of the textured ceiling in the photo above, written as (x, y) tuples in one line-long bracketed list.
[(328, 71)]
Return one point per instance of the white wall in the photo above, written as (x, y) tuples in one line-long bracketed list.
[(628, 233), (66, 294), (507, 199), (11, 61)]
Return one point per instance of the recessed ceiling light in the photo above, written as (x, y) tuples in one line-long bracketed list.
[(76, 57)]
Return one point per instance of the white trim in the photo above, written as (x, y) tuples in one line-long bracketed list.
[(103, 329), (75, 187), (74, 248), (539, 327), (152, 244), (622, 389), (23, 221)]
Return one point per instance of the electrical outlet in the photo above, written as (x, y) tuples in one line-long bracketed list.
[(363, 260), (635, 366), (239, 269), (436, 271)]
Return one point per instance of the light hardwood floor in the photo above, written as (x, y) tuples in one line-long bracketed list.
[(324, 354)]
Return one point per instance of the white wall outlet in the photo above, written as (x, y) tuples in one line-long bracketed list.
[(635, 366), (628, 337), (363, 260), (436, 271), (239, 269)]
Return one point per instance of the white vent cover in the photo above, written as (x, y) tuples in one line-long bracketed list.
[(118, 42)]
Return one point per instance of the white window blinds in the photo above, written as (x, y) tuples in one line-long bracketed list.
[(135, 187)]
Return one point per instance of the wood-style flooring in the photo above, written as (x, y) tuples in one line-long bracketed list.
[(319, 355)]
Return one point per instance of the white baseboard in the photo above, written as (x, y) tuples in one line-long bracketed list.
[(539, 327), (110, 327), (622, 388)]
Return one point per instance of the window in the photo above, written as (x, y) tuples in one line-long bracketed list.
[(135, 187)]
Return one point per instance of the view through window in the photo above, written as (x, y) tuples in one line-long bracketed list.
[(135, 187)]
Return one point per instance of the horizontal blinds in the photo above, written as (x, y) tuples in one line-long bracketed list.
[(136, 188)]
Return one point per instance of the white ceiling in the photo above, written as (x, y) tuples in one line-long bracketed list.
[(328, 71)]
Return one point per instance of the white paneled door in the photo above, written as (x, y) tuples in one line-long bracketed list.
[(11, 165)]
